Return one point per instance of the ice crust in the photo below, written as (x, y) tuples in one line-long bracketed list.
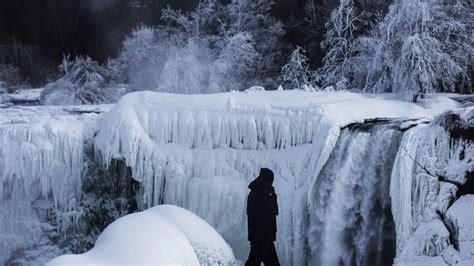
[(200, 152)]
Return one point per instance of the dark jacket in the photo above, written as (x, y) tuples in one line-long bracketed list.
[(262, 209)]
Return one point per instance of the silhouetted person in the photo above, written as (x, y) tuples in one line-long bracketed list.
[(262, 209)]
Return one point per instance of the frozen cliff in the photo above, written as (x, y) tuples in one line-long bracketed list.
[(347, 169)]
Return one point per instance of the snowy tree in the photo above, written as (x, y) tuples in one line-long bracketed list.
[(188, 70), (296, 71), (199, 23), (454, 27), (236, 61), (254, 17), (215, 47), (339, 43), (419, 47), (420, 66), (10, 77), (142, 58), (83, 81)]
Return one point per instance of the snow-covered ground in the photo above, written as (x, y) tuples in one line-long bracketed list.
[(160, 235), (199, 152), (21, 97)]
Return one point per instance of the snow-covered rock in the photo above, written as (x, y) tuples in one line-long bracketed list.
[(161, 235), (461, 214), (431, 159)]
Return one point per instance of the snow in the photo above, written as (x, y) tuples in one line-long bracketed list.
[(41, 156), (434, 233), (200, 152), (462, 216), (163, 234), (419, 199), (21, 96)]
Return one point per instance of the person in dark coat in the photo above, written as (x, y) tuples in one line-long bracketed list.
[(262, 209)]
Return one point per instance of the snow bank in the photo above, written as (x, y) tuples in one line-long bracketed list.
[(160, 235)]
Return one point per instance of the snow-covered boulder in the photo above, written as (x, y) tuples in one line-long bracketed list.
[(163, 234)]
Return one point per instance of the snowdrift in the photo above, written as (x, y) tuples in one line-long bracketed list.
[(163, 234)]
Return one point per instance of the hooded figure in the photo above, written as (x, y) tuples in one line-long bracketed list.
[(262, 209)]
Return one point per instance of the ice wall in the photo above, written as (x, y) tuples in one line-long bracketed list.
[(203, 160), (41, 156)]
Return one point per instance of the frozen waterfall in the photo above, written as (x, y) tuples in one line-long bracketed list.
[(338, 185)]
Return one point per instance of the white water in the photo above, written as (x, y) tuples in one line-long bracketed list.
[(348, 213)]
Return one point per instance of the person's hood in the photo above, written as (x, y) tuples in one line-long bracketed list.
[(264, 179), (258, 183)]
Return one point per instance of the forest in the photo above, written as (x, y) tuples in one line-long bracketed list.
[(80, 50)]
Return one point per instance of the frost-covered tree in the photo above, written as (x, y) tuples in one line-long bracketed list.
[(296, 72), (419, 47), (189, 70), (215, 47), (198, 23), (10, 77), (83, 81), (421, 65), (254, 17), (142, 59), (339, 43), (236, 63)]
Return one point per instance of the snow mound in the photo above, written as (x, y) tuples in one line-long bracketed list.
[(163, 234)]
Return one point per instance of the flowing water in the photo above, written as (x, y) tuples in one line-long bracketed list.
[(350, 221)]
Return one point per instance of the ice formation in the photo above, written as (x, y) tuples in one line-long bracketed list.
[(41, 156), (421, 202), (202, 157), (200, 152), (163, 234)]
